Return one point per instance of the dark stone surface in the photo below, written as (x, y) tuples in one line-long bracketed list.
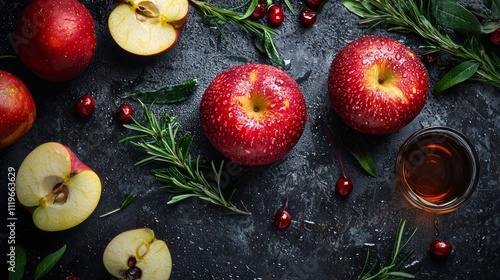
[(328, 238)]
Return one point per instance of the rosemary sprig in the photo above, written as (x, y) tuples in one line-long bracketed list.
[(124, 204), (183, 174), (429, 19), (263, 34), (391, 270)]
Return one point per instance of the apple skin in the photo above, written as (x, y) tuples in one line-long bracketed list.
[(56, 39), (377, 85), (148, 35), (44, 169), (17, 109), (138, 249), (254, 114)]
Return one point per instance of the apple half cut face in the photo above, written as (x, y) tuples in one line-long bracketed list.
[(148, 27), (137, 254), (62, 190)]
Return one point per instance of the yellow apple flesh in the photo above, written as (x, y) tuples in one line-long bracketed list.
[(63, 190), (148, 27), (138, 251)]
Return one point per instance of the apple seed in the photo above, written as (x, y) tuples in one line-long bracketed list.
[(146, 9), (132, 261), (60, 193), (141, 251), (133, 273)]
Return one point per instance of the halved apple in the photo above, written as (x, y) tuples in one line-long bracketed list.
[(148, 27), (62, 189), (137, 254)]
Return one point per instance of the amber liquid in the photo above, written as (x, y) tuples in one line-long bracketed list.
[(437, 168)]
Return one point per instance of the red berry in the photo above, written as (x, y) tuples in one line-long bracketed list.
[(282, 220), (85, 105), (312, 3), (307, 16), (495, 37), (343, 187), (124, 113), (429, 58), (72, 277), (275, 15), (440, 248), (259, 11)]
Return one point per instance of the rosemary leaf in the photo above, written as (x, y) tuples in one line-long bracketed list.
[(167, 94), (124, 204)]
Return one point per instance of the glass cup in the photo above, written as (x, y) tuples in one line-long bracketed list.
[(437, 169)]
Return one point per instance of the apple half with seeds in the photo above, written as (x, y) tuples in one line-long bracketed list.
[(148, 27), (137, 254), (62, 190)]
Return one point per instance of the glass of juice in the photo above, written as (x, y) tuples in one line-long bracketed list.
[(437, 169)]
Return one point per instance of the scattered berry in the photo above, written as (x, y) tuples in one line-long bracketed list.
[(429, 58), (440, 248), (260, 10), (85, 105), (275, 15), (314, 4), (72, 277), (495, 37), (282, 219), (124, 113), (307, 16), (343, 187)]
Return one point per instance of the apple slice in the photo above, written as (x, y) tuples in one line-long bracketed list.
[(148, 27), (137, 254), (63, 190)]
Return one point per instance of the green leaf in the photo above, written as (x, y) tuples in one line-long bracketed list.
[(250, 9), (401, 274), (356, 7), (270, 48), (49, 262), (491, 27), (495, 9), (167, 94), (457, 17), (458, 74), (359, 149), (20, 264)]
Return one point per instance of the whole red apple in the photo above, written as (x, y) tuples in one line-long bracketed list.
[(17, 109), (55, 38), (253, 114), (377, 85)]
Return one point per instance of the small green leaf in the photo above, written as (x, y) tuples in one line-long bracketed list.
[(270, 49), (251, 8), (458, 74), (491, 27), (359, 149), (167, 94), (49, 262), (457, 17), (356, 7), (401, 274), (495, 9), (18, 272)]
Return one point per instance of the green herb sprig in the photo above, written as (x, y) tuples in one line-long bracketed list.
[(391, 271), (264, 40), (185, 175), (166, 94), (430, 19), (124, 204)]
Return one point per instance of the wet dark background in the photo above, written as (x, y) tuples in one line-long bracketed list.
[(328, 238)]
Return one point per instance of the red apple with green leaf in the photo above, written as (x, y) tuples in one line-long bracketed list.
[(55, 38), (148, 27), (254, 114), (377, 85), (17, 109)]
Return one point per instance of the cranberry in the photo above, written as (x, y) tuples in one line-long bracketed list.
[(440, 248), (312, 3), (72, 277), (275, 15), (429, 58), (307, 16), (124, 113), (343, 187), (259, 11), (495, 37), (282, 219), (85, 105)]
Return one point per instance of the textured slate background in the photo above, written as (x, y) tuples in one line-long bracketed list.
[(328, 238)]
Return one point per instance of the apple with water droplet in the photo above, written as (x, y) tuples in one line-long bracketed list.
[(254, 114), (55, 39), (377, 85)]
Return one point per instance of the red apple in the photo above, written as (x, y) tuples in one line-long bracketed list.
[(377, 85), (17, 109), (55, 38), (253, 114), (148, 27)]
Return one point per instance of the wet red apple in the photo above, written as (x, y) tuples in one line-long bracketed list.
[(55, 38)]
